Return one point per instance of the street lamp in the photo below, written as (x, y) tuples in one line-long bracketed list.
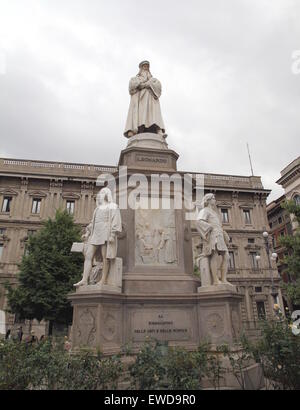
[(273, 257)]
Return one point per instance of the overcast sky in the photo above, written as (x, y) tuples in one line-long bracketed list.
[(225, 69)]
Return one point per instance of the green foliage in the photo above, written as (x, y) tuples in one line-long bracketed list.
[(238, 359), (160, 367), (47, 272), (48, 366), (278, 352), (215, 370), (147, 372), (182, 370), (196, 271), (292, 244)]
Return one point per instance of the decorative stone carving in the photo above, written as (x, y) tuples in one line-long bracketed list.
[(86, 328), (109, 329), (215, 324), (155, 237), (56, 184), (215, 256), (87, 186), (24, 182), (144, 113), (101, 238)]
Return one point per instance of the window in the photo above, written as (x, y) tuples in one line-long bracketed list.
[(297, 199), (6, 205), (2, 231), (70, 207), (1, 250), (261, 311), (254, 261), (225, 216), (247, 218), (251, 240), (231, 264), (280, 220), (258, 289), (271, 224), (282, 233), (36, 206)]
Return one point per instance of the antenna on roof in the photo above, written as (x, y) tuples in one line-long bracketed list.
[(250, 159)]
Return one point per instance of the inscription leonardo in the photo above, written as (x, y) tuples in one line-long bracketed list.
[(153, 159)]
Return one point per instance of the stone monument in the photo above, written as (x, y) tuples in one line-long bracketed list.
[(159, 295)]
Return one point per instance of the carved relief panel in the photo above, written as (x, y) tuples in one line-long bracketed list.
[(155, 237), (86, 327)]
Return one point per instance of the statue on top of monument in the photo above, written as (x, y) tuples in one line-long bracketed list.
[(101, 236), (144, 113), (215, 239)]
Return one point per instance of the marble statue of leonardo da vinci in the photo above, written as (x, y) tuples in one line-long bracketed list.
[(144, 113)]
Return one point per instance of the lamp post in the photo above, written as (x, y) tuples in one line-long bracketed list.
[(274, 255)]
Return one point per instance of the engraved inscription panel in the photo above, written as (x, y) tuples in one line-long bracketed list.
[(160, 160), (171, 324), (155, 237)]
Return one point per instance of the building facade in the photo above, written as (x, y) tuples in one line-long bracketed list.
[(280, 221), (290, 182), (280, 226), (31, 191)]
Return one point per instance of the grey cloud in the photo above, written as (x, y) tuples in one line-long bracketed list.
[(225, 69)]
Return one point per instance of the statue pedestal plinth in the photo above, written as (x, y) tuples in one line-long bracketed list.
[(114, 280), (148, 151), (219, 312), (109, 320), (148, 140), (228, 287)]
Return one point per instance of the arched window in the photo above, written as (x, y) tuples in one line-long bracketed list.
[(296, 198)]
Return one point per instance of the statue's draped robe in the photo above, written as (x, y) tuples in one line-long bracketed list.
[(144, 109), (214, 239)]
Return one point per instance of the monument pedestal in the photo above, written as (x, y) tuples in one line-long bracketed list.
[(108, 321), (219, 313), (159, 297)]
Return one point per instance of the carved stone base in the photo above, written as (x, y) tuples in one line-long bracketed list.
[(111, 320), (147, 140), (228, 287), (219, 313)]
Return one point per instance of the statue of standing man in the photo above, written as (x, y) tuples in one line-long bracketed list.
[(105, 224), (144, 113), (215, 239)]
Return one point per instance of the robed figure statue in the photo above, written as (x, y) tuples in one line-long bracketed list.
[(215, 239), (102, 236), (144, 113)]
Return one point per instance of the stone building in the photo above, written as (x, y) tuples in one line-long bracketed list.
[(30, 191), (280, 225), (280, 221), (290, 182)]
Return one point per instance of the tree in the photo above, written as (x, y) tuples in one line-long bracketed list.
[(292, 260), (47, 273)]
